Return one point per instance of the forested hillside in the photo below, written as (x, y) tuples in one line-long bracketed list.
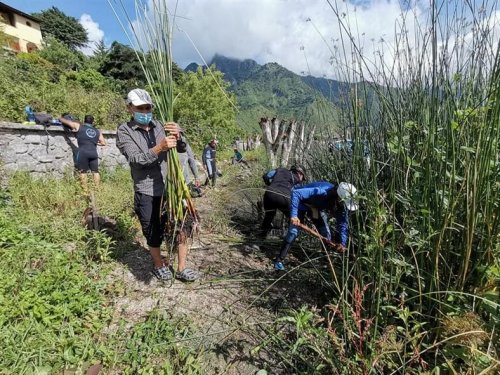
[(271, 90)]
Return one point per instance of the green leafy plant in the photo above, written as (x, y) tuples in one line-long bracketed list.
[(152, 347)]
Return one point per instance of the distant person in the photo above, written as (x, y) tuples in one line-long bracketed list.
[(318, 200), (209, 162), (238, 158), (280, 182), (87, 137), (143, 141)]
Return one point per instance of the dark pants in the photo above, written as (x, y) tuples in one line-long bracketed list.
[(212, 171), (274, 200), (148, 210), (87, 161)]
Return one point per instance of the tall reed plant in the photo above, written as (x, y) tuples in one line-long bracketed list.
[(426, 240)]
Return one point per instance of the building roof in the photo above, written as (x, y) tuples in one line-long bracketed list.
[(5, 7)]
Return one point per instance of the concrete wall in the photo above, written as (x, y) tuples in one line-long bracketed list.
[(49, 151)]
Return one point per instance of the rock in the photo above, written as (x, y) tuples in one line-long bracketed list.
[(34, 139), (21, 148), (45, 158)]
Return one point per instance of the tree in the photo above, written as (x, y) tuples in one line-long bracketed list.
[(121, 63), (205, 108), (62, 56), (283, 140), (278, 138), (100, 50), (64, 28), (177, 73)]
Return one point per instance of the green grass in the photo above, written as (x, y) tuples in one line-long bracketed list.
[(56, 295), (51, 303), (153, 346)]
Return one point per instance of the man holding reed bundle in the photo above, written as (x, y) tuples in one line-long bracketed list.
[(144, 143)]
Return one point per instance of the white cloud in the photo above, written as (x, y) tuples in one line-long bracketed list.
[(94, 32), (275, 30), (305, 36)]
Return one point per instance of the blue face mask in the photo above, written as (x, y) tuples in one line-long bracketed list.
[(143, 118)]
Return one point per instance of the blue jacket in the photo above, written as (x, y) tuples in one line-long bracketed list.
[(315, 195)]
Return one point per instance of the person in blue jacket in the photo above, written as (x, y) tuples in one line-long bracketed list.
[(317, 200)]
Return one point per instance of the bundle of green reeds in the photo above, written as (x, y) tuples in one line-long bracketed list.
[(151, 37)]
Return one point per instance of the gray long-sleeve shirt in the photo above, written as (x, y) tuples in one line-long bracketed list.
[(188, 162), (147, 169)]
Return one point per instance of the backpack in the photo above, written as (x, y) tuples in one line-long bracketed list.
[(42, 118), (268, 177)]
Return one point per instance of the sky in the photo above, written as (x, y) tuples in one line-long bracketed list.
[(302, 35)]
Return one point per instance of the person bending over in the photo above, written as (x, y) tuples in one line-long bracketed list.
[(319, 200), (280, 182)]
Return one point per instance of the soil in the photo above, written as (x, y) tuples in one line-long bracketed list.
[(237, 297)]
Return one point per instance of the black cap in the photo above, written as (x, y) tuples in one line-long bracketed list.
[(296, 168)]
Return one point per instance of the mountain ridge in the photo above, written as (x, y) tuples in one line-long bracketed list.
[(272, 90)]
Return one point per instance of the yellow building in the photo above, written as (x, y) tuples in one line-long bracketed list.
[(22, 29)]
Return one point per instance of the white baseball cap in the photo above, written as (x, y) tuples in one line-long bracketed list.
[(139, 97), (346, 193)]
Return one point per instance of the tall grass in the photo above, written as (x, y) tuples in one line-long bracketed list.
[(426, 241)]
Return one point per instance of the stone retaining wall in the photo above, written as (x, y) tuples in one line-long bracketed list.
[(49, 151)]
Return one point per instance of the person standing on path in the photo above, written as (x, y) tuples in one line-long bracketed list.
[(144, 143), (208, 159), (87, 137), (188, 163)]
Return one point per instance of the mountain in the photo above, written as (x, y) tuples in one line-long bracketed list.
[(271, 90), (329, 88)]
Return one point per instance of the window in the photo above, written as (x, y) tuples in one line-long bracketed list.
[(31, 47), (14, 44), (28, 23), (7, 18)]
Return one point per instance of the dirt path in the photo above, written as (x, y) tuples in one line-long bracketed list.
[(218, 305), (237, 294)]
